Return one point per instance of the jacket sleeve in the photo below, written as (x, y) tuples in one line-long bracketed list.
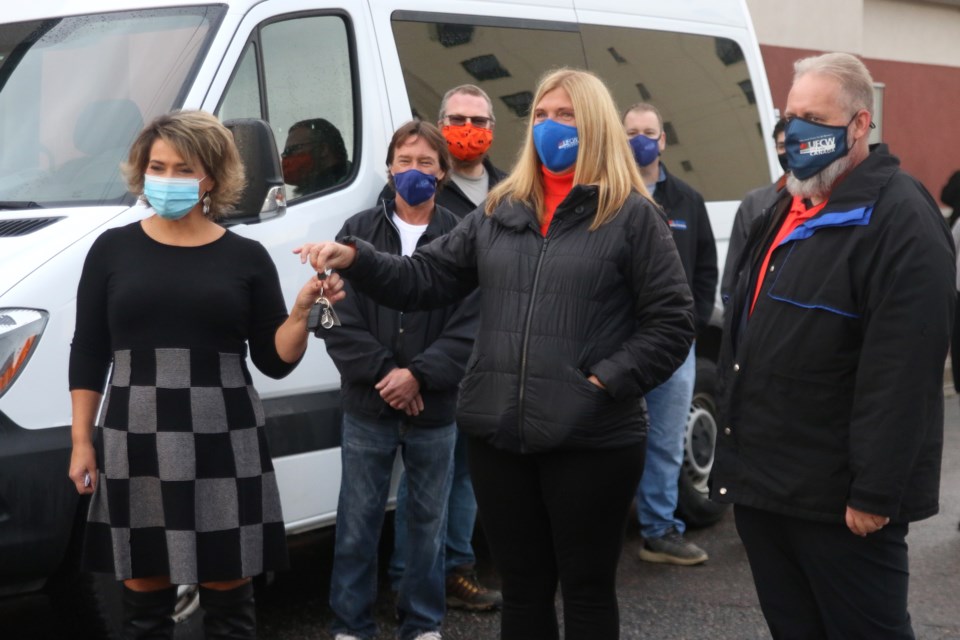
[(907, 319), (705, 273), (441, 365), (663, 307), (738, 239), (438, 274)]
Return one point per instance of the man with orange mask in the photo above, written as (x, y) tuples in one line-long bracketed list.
[(466, 120)]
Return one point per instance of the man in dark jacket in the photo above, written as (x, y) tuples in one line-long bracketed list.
[(832, 371), (669, 403), (399, 376), (466, 120)]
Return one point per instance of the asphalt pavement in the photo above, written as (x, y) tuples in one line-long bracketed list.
[(713, 601)]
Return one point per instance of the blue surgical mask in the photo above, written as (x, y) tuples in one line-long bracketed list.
[(645, 150), (557, 145), (812, 147), (415, 187), (171, 198)]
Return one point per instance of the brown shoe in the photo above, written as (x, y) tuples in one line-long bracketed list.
[(464, 591)]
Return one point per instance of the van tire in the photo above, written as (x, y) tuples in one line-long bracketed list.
[(694, 505)]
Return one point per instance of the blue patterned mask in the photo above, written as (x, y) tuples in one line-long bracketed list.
[(557, 145), (812, 147), (171, 198), (645, 150), (415, 187)]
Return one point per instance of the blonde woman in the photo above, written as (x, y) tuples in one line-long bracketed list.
[(584, 307), (183, 486)]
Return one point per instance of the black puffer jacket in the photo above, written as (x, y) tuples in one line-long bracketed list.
[(613, 302), (833, 387), (373, 340)]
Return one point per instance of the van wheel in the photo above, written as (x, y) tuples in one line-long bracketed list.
[(694, 505), (89, 606)]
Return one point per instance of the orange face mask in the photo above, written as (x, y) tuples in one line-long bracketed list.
[(467, 142)]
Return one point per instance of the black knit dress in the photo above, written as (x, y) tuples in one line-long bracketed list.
[(186, 486)]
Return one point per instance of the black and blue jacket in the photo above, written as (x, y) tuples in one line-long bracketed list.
[(833, 387)]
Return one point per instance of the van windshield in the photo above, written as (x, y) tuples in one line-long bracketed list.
[(75, 91)]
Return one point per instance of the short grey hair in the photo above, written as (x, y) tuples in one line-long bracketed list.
[(469, 90), (854, 78)]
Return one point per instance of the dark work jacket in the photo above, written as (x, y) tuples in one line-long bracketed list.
[(612, 302), (833, 387), (373, 339), (690, 224), (451, 196)]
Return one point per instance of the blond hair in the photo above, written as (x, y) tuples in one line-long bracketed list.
[(196, 136), (604, 158)]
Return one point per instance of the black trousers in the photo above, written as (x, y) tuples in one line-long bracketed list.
[(556, 517), (819, 580)]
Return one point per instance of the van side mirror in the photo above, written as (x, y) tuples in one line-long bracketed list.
[(264, 196)]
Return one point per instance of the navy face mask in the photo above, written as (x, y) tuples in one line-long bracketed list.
[(645, 150), (812, 147), (415, 187), (557, 144)]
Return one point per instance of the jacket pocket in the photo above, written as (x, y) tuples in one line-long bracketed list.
[(813, 284)]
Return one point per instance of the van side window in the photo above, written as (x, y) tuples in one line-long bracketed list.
[(297, 73), (702, 87), (505, 61)]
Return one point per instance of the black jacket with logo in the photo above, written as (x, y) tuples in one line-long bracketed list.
[(613, 302), (688, 219), (373, 339), (833, 387)]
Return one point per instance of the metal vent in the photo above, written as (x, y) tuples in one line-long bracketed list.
[(23, 226)]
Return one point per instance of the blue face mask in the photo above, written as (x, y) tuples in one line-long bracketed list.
[(415, 187), (645, 150), (557, 145), (171, 198), (812, 147)]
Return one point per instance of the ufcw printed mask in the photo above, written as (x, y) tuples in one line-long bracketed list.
[(812, 147)]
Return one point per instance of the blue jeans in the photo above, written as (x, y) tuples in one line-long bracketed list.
[(461, 518), (669, 407), (368, 449)]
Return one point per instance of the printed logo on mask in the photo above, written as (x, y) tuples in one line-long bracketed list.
[(818, 147)]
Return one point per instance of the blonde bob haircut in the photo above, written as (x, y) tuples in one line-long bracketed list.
[(604, 157), (199, 138)]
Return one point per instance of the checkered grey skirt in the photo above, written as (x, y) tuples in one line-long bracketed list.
[(186, 487)]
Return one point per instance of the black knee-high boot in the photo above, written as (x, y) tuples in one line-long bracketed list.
[(229, 615), (147, 614)]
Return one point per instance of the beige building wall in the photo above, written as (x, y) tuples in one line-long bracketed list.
[(915, 31)]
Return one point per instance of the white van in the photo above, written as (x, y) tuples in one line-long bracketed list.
[(79, 79)]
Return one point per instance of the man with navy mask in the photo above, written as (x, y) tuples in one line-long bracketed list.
[(669, 404), (832, 370), (399, 373)]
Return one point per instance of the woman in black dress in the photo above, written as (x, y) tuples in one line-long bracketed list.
[(183, 486)]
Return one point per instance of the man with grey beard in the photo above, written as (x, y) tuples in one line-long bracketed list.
[(832, 370)]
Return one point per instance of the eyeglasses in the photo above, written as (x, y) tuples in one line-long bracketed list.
[(481, 121)]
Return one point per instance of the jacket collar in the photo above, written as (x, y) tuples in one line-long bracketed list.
[(581, 202)]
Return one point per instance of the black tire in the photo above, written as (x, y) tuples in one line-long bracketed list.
[(89, 606), (694, 506)]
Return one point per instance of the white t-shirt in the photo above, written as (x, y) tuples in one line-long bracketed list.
[(409, 234)]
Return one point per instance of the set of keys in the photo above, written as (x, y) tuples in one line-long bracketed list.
[(322, 313)]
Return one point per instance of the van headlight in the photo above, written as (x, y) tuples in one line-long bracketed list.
[(20, 331)]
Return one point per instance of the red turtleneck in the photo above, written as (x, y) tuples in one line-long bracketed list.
[(555, 189)]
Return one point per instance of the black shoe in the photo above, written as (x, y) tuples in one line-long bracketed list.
[(147, 615), (464, 591), (671, 548), (229, 615)]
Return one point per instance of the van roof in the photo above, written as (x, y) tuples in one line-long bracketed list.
[(728, 14)]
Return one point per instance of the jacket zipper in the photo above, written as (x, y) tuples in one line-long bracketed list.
[(526, 339)]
